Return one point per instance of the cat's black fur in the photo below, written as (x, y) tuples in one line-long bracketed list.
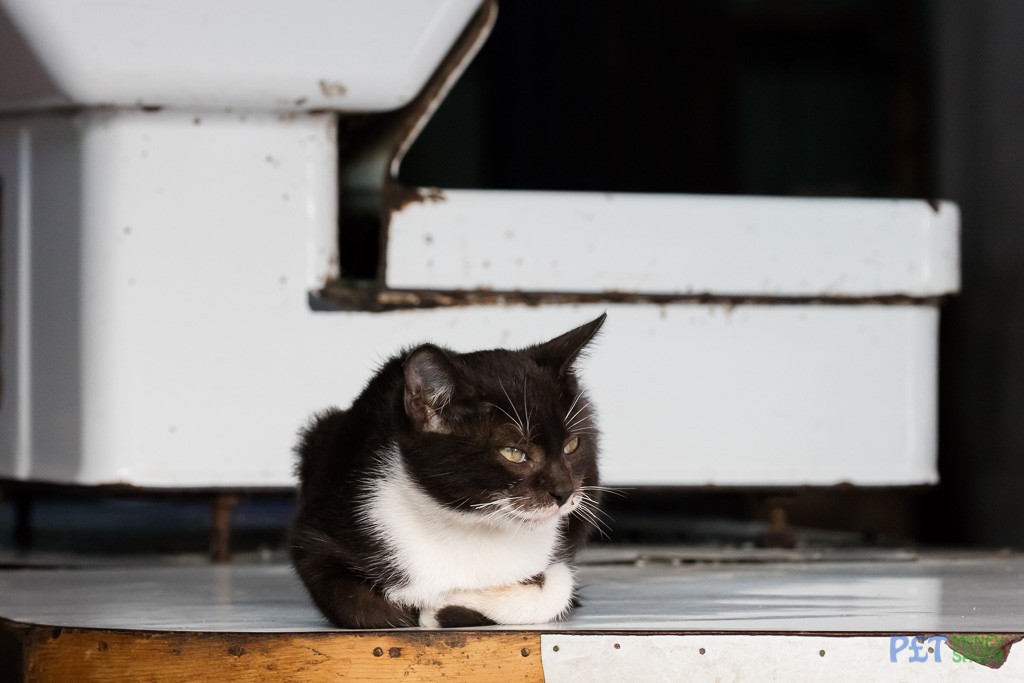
[(448, 414)]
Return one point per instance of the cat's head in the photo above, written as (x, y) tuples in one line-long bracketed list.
[(507, 436)]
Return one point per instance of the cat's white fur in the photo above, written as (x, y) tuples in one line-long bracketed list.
[(517, 603), (458, 558)]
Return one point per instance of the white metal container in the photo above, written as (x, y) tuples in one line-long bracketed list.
[(158, 268), (158, 331), (352, 55)]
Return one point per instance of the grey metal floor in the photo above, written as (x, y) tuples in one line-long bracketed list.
[(848, 594)]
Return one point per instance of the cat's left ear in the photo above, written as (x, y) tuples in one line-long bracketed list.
[(429, 387), (563, 351)]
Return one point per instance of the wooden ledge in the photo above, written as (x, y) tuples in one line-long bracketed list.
[(42, 654)]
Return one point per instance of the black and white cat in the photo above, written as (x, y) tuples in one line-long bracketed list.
[(453, 492)]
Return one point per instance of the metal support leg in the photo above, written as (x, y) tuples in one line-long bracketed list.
[(221, 508), (779, 534)]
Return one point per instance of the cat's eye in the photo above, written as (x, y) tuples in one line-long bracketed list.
[(571, 445), (512, 454)]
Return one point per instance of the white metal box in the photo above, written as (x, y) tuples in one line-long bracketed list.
[(157, 329), (168, 216)]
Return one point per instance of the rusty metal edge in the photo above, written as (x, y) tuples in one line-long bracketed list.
[(345, 296), (23, 629)]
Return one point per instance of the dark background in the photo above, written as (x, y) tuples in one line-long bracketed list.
[(873, 98)]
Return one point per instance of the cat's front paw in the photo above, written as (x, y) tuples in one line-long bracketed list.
[(546, 597), (453, 616)]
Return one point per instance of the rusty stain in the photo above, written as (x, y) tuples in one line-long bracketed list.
[(396, 197), (988, 649), (331, 88), (343, 296)]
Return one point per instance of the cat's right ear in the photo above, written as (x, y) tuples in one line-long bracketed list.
[(563, 351), (429, 387)]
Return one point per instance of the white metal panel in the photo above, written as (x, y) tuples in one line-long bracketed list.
[(673, 244), (934, 593), (749, 657), (761, 395), (157, 330), (365, 55)]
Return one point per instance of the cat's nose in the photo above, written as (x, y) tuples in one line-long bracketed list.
[(561, 495)]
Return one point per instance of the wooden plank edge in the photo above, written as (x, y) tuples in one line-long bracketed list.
[(43, 654)]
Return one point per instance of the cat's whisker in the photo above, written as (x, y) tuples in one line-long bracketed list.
[(578, 411), (435, 476), (526, 411), (597, 513), (591, 505), (588, 515), (574, 401), (515, 425), (603, 533), (579, 422), (615, 491), (518, 419), (579, 419)]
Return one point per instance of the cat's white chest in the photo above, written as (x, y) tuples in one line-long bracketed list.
[(440, 551)]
